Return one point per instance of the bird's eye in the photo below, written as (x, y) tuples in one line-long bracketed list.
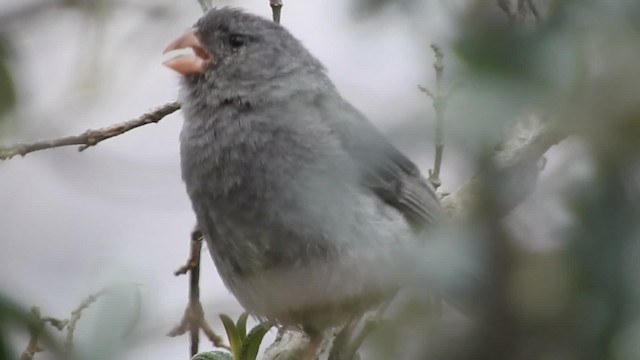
[(236, 40)]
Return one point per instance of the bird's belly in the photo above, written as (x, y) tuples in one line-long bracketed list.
[(317, 288), (318, 294)]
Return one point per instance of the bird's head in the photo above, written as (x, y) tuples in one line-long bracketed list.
[(236, 52)]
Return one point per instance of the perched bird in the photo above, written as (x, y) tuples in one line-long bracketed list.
[(303, 203)]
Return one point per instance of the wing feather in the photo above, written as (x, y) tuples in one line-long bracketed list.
[(385, 170)]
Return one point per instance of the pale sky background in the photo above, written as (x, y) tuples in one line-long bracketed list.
[(73, 222)]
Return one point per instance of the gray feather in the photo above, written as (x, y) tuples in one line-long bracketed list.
[(303, 203)]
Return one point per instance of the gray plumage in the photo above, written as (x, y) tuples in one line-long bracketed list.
[(303, 203)]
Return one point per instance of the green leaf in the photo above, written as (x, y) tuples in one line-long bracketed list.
[(252, 342), (6, 352), (212, 355), (232, 334), (241, 325), (8, 95)]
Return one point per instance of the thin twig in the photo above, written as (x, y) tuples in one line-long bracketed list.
[(193, 262), (77, 314), (34, 334), (206, 5), (521, 156), (439, 98), (59, 324), (276, 9), (193, 318), (91, 137), (194, 290)]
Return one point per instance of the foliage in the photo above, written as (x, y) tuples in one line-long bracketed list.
[(244, 346), (8, 95)]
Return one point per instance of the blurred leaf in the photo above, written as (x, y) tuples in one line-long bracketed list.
[(5, 350), (241, 325), (232, 334), (7, 86), (10, 313), (213, 355), (364, 8), (251, 344), (499, 50)]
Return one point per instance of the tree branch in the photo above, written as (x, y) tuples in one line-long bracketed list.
[(439, 99), (206, 5), (517, 164), (276, 9), (193, 319), (77, 314), (34, 334), (91, 137)]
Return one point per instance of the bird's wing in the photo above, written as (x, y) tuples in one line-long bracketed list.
[(385, 170)]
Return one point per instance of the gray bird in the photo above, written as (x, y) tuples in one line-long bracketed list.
[(304, 205)]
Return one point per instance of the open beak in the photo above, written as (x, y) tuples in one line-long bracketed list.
[(189, 64)]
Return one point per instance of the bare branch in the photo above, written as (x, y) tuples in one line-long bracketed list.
[(77, 314), (439, 98), (196, 312), (91, 137), (193, 319), (193, 262), (426, 91), (34, 335), (276, 9), (206, 5), (59, 324), (518, 162)]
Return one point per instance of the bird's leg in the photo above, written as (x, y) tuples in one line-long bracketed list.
[(315, 339)]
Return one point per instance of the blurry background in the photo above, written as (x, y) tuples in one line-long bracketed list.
[(72, 223)]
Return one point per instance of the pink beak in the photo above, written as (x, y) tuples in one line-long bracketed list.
[(195, 64)]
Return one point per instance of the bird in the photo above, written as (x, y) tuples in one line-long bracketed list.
[(304, 204)]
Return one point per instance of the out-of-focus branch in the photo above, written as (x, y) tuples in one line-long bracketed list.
[(439, 99), (37, 327), (91, 137), (206, 5), (77, 314), (517, 164), (276, 9), (34, 335)]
